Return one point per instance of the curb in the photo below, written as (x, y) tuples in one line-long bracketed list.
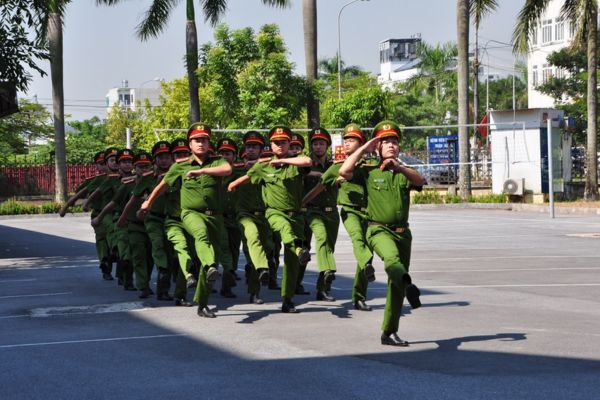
[(544, 209), (45, 216)]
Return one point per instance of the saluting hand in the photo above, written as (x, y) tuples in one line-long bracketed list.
[(371, 145)]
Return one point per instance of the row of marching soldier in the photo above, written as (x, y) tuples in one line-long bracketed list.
[(187, 208)]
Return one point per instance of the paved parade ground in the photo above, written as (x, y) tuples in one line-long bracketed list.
[(511, 309)]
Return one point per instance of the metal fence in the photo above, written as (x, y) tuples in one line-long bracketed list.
[(35, 180)]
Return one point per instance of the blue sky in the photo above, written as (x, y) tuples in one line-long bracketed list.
[(100, 49)]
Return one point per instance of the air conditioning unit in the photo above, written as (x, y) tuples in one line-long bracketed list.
[(514, 187)]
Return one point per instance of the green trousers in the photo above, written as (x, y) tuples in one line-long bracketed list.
[(102, 245), (257, 238), (394, 249), (205, 231), (120, 243), (291, 231), (183, 248), (155, 228), (355, 223), (229, 254), (111, 241), (140, 249), (324, 226)]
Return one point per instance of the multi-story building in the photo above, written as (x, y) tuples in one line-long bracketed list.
[(129, 97), (398, 60), (552, 34)]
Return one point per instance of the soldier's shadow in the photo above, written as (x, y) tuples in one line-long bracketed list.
[(454, 343), (253, 316)]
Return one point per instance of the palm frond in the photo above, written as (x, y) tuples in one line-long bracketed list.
[(527, 21), (213, 10), (481, 8), (578, 13), (277, 3), (155, 19)]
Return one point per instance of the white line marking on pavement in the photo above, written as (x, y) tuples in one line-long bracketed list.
[(35, 295), (487, 286), (91, 309), (554, 331), (17, 280), (506, 269), (14, 316), (497, 258), (11, 346)]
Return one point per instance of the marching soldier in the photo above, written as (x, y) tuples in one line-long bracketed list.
[(322, 218), (388, 199), (352, 198), (121, 162), (231, 237), (201, 206), (256, 234), (281, 180), (86, 188)]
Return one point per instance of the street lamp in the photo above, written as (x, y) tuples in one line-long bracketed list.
[(339, 60), (128, 130)]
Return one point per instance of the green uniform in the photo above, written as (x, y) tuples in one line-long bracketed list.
[(181, 241), (388, 200), (154, 224), (130, 240), (107, 189), (323, 220), (351, 196), (102, 250), (282, 194), (231, 236), (201, 207), (256, 234)]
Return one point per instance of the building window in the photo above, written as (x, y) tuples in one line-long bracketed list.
[(125, 99), (546, 73), (559, 29), (546, 31), (534, 78), (560, 73), (534, 37)]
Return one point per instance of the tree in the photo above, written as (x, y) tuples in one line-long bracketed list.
[(18, 131), (435, 68), (309, 13), (88, 138), (329, 67), (17, 50), (366, 104), (156, 19), (462, 28), (583, 15)]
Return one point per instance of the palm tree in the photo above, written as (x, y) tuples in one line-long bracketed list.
[(309, 13), (155, 21), (329, 66), (462, 29), (434, 67), (51, 14), (478, 10), (583, 15)]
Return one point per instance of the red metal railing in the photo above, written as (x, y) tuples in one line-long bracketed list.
[(39, 179)]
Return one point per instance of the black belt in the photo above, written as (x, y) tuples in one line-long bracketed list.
[(326, 209), (293, 213), (210, 212), (157, 215), (256, 213), (178, 219), (357, 208), (228, 215), (393, 228)]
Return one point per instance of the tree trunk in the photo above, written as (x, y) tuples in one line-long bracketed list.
[(309, 13), (462, 26), (58, 105), (591, 178), (191, 62)]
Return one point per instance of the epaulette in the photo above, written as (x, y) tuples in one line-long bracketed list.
[(264, 160), (182, 160), (128, 180), (338, 161), (113, 175), (148, 173), (238, 165)]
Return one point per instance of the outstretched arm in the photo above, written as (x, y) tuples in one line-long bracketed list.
[(72, 200), (158, 190), (220, 170), (347, 168), (105, 211), (312, 194), (242, 180)]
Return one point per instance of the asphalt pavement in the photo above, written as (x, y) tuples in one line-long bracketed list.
[(511, 309)]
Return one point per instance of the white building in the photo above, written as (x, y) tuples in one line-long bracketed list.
[(126, 96), (552, 34), (398, 60)]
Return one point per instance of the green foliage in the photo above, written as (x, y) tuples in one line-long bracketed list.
[(89, 137), (18, 130), (364, 102), (14, 207), (430, 196), (570, 92), (18, 52)]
